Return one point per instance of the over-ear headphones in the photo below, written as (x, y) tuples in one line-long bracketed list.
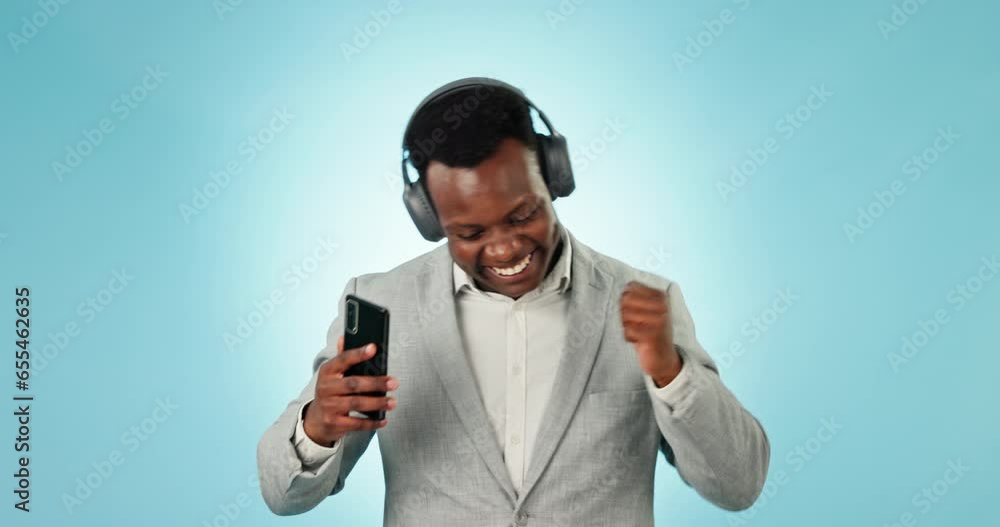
[(553, 158)]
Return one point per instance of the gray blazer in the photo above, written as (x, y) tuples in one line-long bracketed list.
[(596, 452)]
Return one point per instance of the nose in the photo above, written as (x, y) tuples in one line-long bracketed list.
[(503, 249)]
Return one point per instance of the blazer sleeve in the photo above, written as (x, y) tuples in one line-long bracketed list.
[(717, 446), (288, 486)]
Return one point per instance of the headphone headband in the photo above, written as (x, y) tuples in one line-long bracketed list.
[(465, 84)]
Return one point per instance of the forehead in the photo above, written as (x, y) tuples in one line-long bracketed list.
[(499, 182)]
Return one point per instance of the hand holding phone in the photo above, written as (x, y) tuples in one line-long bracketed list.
[(351, 388)]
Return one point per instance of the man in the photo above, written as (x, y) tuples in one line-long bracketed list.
[(532, 379)]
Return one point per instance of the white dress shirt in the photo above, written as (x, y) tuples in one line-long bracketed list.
[(513, 347), (522, 338)]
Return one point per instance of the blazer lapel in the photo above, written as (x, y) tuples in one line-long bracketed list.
[(588, 306), (436, 304)]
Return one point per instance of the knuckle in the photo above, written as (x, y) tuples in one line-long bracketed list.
[(338, 406), (339, 424), (326, 368)]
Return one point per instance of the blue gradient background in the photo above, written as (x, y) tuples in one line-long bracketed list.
[(651, 192)]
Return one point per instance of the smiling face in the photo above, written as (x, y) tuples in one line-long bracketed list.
[(498, 217)]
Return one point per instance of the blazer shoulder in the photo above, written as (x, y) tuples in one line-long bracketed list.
[(622, 272), (404, 273)]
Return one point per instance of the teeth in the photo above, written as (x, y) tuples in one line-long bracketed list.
[(511, 271)]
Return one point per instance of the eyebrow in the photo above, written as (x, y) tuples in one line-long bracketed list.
[(527, 200)]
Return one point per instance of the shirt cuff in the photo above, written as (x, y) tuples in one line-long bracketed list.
[(677, 393), (310, 453)]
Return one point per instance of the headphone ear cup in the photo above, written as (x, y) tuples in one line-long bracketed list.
[(422, 212), (556, 167)]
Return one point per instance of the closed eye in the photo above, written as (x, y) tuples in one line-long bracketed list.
[(514, 220), (525, 219)]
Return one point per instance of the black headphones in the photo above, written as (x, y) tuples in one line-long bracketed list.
[(553, 157)]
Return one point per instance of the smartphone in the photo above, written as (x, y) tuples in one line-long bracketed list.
[(366, 323)]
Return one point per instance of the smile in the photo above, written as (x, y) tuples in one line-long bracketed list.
[(515, 269)]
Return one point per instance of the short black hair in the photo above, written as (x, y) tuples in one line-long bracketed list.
[(465, 127)]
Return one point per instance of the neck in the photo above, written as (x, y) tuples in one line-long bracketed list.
[(555, 256)]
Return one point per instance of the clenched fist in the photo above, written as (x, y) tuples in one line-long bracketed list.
[(645, 315), (326, 417)]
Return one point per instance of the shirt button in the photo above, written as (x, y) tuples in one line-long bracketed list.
[(515, 440), (516, 370)]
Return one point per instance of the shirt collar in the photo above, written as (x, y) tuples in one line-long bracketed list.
[(558, 279)]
